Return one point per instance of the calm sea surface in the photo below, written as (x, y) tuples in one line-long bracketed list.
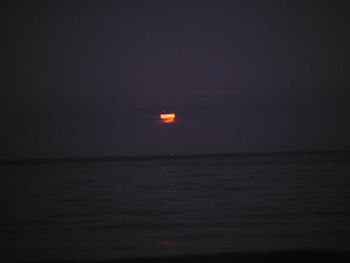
[(112, 209)]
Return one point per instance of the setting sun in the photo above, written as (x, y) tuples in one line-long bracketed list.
[(167, 117)]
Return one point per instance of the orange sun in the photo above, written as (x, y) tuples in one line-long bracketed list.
[(167, 117)]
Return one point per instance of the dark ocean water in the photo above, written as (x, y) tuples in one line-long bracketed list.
[(152, 207)]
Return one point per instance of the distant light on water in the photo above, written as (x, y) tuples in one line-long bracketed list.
[(167, 244)]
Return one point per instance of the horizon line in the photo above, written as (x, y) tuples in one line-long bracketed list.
[(150, 157)]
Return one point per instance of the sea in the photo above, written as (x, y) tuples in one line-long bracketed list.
[(145, 207)]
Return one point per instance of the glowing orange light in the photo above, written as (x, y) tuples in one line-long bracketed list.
[(167, 117)]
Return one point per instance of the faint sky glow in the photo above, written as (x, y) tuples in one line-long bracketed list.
[(88, 78)]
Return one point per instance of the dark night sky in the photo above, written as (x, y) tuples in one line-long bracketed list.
[(89, 78)]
